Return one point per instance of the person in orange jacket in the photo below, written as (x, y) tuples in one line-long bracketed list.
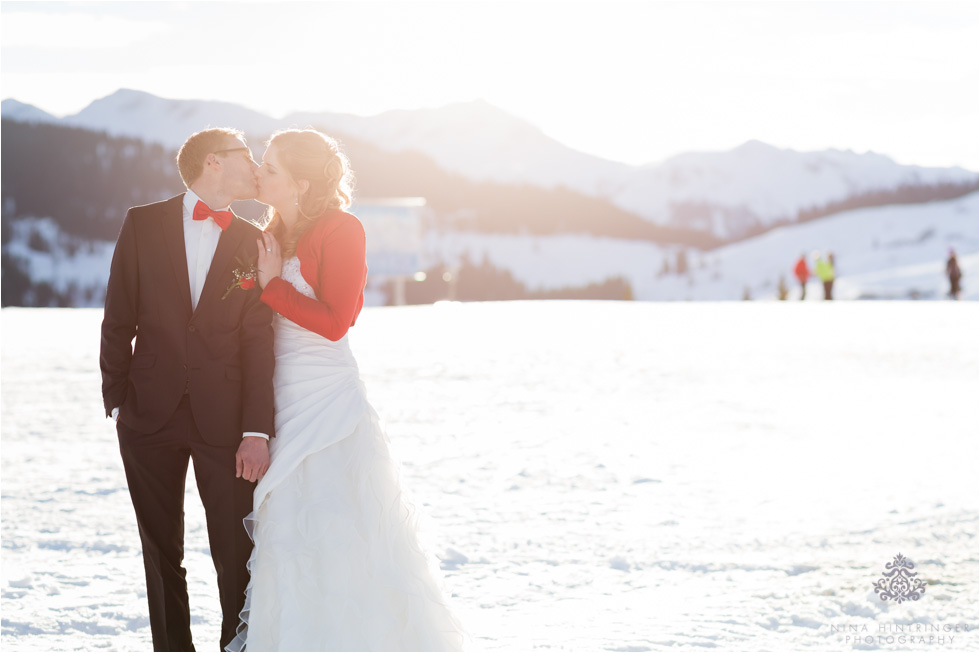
[(802, 272)]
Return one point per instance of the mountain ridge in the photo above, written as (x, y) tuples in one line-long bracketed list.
[(729, 194)]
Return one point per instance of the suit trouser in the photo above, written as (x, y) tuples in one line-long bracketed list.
[(156, 470)]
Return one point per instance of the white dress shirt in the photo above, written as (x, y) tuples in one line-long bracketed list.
[(200, 242)]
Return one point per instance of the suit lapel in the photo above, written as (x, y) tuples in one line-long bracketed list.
[(173, 237), (227, 246)]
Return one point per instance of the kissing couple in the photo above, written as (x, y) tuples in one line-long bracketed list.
[(241, 363)]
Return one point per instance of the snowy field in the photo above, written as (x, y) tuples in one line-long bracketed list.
[(884, 252), (599, 476)]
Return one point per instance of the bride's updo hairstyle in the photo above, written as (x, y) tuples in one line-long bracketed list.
[(309, 155)]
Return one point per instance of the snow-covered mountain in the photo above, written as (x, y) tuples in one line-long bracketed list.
[(757, 185), (168, 122), (726, 193), (480, 142), (22, 112), (729, 194)]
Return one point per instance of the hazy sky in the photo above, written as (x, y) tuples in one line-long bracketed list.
[(634, 82)]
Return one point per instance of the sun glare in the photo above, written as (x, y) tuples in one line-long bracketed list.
[(635, 82)]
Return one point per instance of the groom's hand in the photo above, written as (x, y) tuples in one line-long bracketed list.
[(252, 459)]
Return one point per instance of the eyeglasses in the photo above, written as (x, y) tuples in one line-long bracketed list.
[(237, 149)]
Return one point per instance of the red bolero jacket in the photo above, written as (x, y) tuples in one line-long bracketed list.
[(332, 260)]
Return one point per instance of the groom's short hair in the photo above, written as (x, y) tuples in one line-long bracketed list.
[(190, 158)]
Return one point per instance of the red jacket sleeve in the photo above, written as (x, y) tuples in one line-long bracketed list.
[(338, 254)]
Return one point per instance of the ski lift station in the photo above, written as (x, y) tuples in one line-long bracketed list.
[(393, 226)]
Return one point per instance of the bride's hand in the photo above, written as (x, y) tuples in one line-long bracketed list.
[(270, 259)]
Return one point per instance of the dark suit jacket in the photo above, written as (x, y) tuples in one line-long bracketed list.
[(221, 354)]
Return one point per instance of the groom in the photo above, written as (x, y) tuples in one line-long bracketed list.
[(198, 383)]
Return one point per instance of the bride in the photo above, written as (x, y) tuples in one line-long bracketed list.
[(336, 563)]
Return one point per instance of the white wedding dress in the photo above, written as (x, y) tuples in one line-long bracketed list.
[(336, 564)]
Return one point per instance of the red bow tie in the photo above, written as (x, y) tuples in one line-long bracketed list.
[(221, 218)]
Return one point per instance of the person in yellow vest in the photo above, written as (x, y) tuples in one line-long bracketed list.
[(825, 272)]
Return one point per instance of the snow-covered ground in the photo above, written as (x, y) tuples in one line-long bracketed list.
[(75, 266), (889, 252), (599, 475)]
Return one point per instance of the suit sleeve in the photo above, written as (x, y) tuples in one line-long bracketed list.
[(341, 274), (119, 324), (258, 362)]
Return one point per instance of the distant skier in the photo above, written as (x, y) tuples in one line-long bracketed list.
[(802, 272), (824, 269), (954, 274)]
